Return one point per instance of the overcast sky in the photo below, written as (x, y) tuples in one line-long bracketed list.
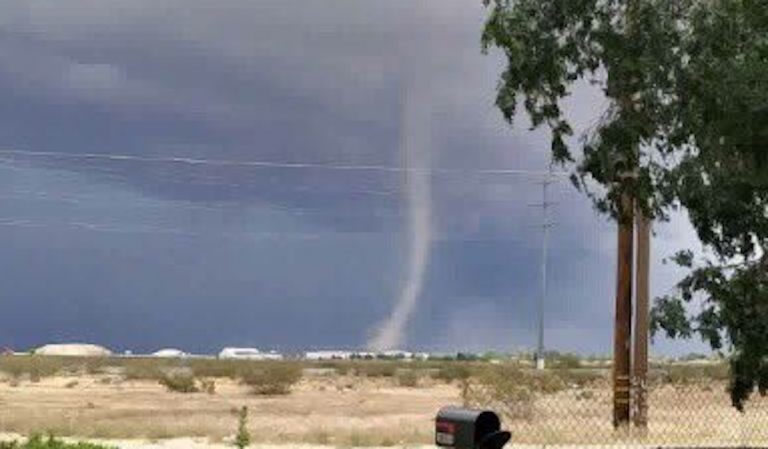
[(145, 250)]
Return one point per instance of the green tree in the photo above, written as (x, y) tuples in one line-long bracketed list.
[(721, 178), (687, 89)]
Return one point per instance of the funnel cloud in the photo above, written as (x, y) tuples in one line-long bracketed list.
[(415, 149)]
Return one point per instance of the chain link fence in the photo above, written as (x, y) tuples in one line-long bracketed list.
[(686, 408)]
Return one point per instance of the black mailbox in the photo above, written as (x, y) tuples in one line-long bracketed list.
[(463, 428)]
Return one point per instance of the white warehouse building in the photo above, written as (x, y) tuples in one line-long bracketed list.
[(248, 354), (328, 355), (170, 353)]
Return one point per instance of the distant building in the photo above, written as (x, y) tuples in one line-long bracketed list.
[(272, 355), (395, 355), (364, 355), (248, 354), (170, 353), (74, 350), (328, 355)]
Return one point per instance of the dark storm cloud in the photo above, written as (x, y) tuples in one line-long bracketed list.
[(142, 253), (291, 83)]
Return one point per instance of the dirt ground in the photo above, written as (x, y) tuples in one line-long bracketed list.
[(340, 411), (335, 411), (192, 443), (679, 415)]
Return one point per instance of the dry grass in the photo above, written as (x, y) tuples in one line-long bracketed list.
[(180, 383), (148, 368), (358, 403), (272, 380), (371, 412), (40, 442), (687, 406)]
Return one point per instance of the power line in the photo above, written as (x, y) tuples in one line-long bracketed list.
[(156, 230), (112, 228), (280, 165), (549, 176)]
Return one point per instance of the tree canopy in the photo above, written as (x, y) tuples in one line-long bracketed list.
[(687, 118)]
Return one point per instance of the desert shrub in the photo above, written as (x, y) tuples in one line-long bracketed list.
[(107, 380), (243, 437), (690, 374), (543, 382), (272, 379), (271, 389), (452, 371), (36, 367), (236, 369), (408, 378), (505, 390), (208, 386), (220, 368), (144, 369), (461, 356), (510, 390), (341, 367), (345, 385), (376, 369), (38, 442), (179, 383), (547, 383), (95, 365), (568, 361), (580, 377)]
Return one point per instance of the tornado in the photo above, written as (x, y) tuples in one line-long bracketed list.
[(415, 153)]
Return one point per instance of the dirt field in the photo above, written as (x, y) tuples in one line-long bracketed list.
[(329, 409), (335, 411), (679, 416)]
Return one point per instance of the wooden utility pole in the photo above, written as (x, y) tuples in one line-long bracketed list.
[(640, 360), (622, 343), (623, 325)]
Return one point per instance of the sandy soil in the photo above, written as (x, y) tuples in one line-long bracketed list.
[(327, 411), (189, 443), (334, 411)]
